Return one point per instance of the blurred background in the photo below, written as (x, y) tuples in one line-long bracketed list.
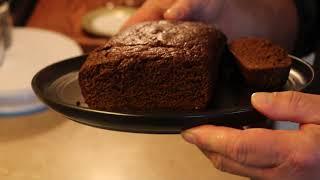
[(64, 16)]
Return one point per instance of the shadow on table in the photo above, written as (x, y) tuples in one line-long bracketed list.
[(17, 128)]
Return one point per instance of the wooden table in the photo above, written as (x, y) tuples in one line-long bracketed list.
[(47, 146)]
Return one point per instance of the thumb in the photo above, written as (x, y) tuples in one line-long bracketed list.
[(288, 106), (181, 10), (151, 10), (243, 146), (195, 10)]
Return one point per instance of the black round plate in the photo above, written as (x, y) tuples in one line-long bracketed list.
[(57, 86)]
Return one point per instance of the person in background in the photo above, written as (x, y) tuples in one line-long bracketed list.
[(258, 153), (21, 10)]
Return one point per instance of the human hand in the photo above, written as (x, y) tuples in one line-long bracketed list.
[(268, 154), (274, 20)]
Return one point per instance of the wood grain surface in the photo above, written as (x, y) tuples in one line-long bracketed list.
[(47, 146)]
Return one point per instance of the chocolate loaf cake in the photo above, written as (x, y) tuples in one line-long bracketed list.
[(264, 65), (160, 65)]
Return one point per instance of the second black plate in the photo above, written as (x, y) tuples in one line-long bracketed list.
[(57, 86)]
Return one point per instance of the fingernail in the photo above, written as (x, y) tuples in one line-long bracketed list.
[(173, 13), (189, 137), (261, 99)]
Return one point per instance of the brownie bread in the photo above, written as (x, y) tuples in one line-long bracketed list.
[(159, 65), (264, 65)]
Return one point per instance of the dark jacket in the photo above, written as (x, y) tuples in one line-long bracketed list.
[(309, 26)]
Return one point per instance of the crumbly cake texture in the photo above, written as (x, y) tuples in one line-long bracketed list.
[(264, 65), (159, 65)]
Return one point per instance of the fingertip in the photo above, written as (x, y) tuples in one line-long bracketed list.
[(201, 134), (261, 100), (281, 106), (173, 14), (180, 10), (192, 135), (189, 137), (148, 12), (201, 129), (168, 14), (210, 137)]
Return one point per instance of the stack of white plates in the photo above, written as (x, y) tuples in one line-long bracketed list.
[(31, 50)]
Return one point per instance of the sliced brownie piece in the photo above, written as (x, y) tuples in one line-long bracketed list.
[(160, 65), (264, 65)]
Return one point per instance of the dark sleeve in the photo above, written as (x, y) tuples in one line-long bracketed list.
[(21, 10), (309, 26)]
